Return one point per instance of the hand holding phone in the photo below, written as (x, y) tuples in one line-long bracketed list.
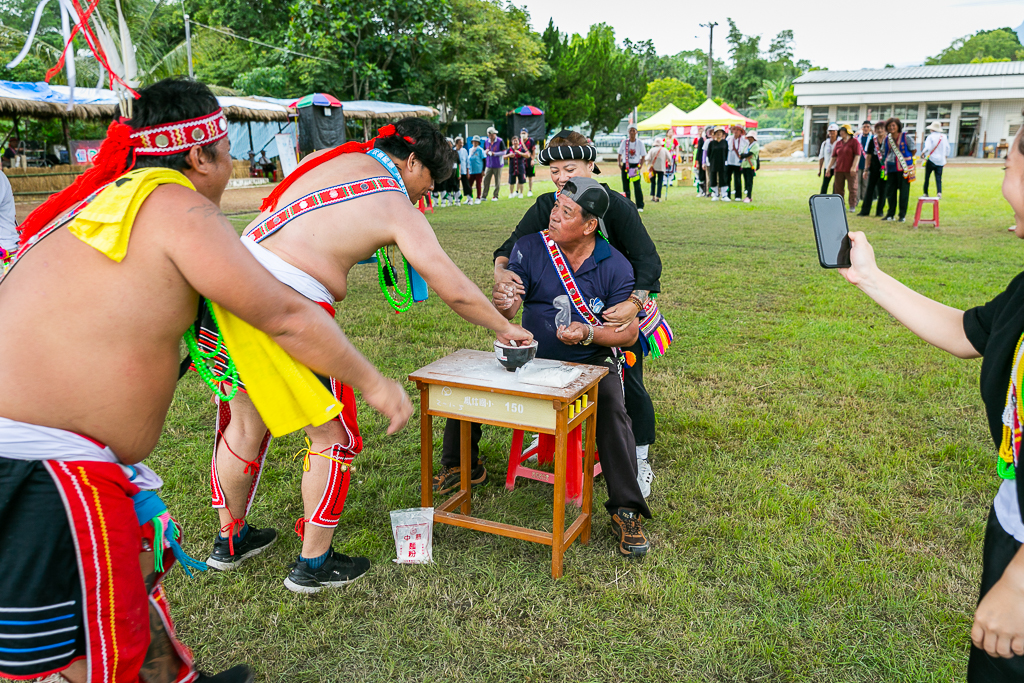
[(831, 233)]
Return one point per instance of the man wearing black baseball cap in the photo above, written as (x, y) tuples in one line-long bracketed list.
[(603, 277)]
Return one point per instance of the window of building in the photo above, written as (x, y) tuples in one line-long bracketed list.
[(970, 110), (847, 114), (940, 113), (819, 113), (905, 112)]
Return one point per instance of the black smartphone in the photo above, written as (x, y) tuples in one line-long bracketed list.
[(828, 213)]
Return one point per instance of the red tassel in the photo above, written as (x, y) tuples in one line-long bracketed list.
[(114, 158), (387, 131), (300, 528)]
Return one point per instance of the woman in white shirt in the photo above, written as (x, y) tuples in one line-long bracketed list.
[(659, 161), (934, 153)]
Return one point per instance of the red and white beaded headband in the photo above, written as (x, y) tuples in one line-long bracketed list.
[(181, 136)]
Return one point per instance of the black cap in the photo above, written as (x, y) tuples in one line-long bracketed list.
[(588, 193)]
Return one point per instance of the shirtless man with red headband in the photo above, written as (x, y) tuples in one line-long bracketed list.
[(338, 208), (92, 326)]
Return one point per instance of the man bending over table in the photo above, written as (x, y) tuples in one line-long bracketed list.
[(604, 278)]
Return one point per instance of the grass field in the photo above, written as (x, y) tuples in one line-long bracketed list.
[(823, 478)]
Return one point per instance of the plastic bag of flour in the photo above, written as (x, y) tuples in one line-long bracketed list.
[(563, 318), (413, 529)]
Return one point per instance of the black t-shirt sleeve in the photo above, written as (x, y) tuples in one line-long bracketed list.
[(978, 321), (627, 233), (535, 220)]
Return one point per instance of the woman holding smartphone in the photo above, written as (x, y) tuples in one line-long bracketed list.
[(993, 330)]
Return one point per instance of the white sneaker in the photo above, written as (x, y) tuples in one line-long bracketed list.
[(530, 193), (640, 210), (940, 196), (714, 197), (644, 476), (746, 200), (494, 199), (476, 201), (726, 198)]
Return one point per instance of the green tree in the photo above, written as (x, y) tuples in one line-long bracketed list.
[(473, 66), (371, 43), (594, 79), (777, 94), (749, 68), (664, 91), (1001, 44)]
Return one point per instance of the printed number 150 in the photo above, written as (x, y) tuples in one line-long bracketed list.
[(514, 407)]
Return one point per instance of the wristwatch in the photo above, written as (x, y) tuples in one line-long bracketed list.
[(590, 337)]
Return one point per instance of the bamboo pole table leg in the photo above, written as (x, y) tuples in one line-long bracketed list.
[(465, 462), (558, 523), (588, 469)]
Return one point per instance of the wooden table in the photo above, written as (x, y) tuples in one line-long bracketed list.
[(472, 387)]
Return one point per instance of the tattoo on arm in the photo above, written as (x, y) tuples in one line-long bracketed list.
[(641, 294), (206, 210)]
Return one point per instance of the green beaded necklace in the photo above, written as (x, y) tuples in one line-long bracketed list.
[(199, 359), (389, 278)]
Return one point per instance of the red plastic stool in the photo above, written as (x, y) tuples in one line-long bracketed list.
[(545, 450), (425, 206), (934, 201)]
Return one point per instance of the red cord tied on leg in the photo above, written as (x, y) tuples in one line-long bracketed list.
[(300, 528), (229, 529)]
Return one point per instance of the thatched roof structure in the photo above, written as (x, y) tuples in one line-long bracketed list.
[(42, 101)]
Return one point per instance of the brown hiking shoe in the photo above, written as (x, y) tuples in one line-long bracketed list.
[(626, 527), (450, 478)]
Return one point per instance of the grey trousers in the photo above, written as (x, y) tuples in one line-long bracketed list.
[(492, 173)]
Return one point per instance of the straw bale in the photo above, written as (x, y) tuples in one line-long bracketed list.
[(42, 179)]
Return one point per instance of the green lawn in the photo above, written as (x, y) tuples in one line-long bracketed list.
[(823, 479)]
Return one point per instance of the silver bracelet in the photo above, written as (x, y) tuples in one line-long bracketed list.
[(590, 336)]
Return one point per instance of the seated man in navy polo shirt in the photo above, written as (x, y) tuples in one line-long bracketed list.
[(604, 278)]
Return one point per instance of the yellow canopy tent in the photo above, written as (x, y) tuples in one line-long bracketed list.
[(708, 114), (663, 119)]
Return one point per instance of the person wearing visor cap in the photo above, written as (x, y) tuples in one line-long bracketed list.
[(825, 156), (604, 278), (568, 157)]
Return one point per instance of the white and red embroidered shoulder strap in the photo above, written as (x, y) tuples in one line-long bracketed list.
[(568, 282)]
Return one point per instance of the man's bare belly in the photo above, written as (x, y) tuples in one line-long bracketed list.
[(92, 346)]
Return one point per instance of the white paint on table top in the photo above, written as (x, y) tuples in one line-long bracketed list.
[(480, 369)]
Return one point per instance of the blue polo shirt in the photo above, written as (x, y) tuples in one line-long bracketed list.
[(604, 279)]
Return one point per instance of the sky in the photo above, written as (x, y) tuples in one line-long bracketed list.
[(823, 39)]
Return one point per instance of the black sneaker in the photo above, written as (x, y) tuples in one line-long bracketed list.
[(337, 570), (626, 527), (236, 674), (450, 478), (255, 542)]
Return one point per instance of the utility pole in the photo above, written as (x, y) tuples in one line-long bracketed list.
[(188, 50), (711, 38)]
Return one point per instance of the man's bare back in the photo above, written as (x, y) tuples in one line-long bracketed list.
[(92, 345), (328, 241)]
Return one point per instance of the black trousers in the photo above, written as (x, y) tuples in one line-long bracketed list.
[(659, 177), (930, 168), (638, 185), (1000, 547), (896, 183), (702, 180), (734, 174), (826, 178), (614, 437), (748, 178), (467, 184), (718, 177), (874, 189)]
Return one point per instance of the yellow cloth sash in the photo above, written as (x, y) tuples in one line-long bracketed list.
[(286, 393)]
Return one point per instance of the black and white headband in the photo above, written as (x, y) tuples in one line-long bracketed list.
[(567, 152)]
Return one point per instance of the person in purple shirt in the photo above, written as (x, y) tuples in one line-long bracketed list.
[(494, 148), (604, 278)]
